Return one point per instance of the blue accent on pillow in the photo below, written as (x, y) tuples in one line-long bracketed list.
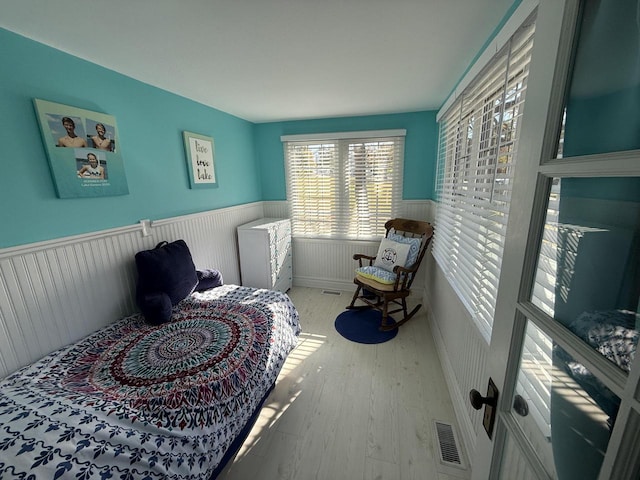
[(414, 247), (167, 269)]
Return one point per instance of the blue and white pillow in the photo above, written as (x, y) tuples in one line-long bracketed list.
[(391, 253), (414, 247)]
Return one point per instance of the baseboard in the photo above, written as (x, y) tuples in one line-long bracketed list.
[(323, 283)]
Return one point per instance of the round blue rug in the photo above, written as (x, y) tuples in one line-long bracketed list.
[(363, 326)]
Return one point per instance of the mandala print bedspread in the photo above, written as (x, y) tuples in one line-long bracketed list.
[(135, 401)]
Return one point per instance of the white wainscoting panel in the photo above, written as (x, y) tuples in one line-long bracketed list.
[(56, 292), (423, 210), (276, 209), (329, 264), (212, 237), (462, 350)]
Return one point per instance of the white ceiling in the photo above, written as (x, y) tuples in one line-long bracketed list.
[(274, 60)]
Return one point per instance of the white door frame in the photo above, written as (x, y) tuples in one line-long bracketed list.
[(555, 28)]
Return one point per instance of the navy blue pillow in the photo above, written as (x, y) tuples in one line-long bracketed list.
[(167, 270), (208, 279), (156, 307)]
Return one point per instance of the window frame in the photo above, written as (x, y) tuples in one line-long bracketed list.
[(343, 220)]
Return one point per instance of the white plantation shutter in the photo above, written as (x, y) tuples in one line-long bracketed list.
[(344, 187), (477, 155), (476, 160), (312, 186)]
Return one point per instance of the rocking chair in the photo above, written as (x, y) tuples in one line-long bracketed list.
[(386, 278)]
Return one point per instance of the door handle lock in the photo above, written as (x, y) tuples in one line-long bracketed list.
[(520, 406), (477, 400), (491, 404)]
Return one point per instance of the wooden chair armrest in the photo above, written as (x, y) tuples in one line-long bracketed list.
[(400, 270), (361, 256), (402, 276)]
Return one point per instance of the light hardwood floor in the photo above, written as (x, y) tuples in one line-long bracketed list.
[(348, 411)]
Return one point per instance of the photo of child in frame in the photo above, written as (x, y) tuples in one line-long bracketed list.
[(69, 131), (90, 166), (102, 137)]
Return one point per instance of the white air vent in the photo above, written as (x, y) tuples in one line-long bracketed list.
[(448, 445), (331, 292)]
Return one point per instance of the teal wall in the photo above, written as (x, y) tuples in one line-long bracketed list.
[(420, 148), (505, 18), (603, 107), (602, 115), (249, 157), (150, 123)]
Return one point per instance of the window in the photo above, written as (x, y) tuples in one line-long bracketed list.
[(476, 160), (344, 185)]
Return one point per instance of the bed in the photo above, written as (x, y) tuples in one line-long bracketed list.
[(141, 401), (613, 334), (583, 410)]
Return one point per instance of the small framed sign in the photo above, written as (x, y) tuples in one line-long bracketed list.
[(200, 160)]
